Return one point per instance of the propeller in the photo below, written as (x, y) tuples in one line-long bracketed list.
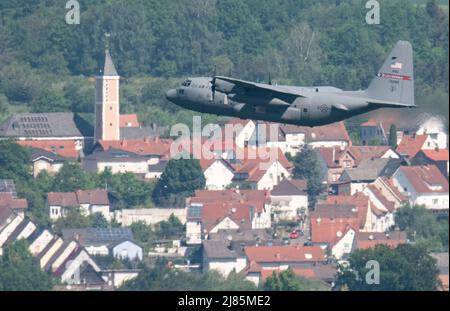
[(213, 83)]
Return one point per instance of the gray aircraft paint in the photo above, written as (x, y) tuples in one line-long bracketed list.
[(392, 87)]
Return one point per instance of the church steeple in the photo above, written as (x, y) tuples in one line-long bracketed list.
[(109, 69), (107, 102)]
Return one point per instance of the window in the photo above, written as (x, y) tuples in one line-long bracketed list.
[(305, 110), (435, 201)]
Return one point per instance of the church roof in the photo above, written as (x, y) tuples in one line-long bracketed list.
[(58, 124), (109, 69)]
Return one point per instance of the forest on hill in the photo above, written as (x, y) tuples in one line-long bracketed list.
[(47, 65)]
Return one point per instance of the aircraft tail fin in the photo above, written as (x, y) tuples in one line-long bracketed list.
[(394, 84)]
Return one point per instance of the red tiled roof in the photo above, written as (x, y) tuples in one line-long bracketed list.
[(389, 183), (275, 254), (360, 200), (366, 240), (360, 153), (128, 120), (214, 213), (97, 197), (258, 198), (331, 132), (62, 199), (331, 155), (390, 206), (63, 148), (437, 155), (410, 145), (69, 199), (156, 146), (7, 201), (426, 179), (370, 122)]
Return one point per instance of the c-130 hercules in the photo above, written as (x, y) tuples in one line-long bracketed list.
[(392, 87)]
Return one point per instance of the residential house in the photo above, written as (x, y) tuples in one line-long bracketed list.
[(387, 188), (365, 240), (118, 161), (334, 160), (220, 256), (335, 225), (211, 211), (219, 173), (381, 216), (372, 215), (89, 202), (117, 242), (262, 168), (46, 161), (141, 157), (264, 260), (151, 216), (423, 185), (67, 149), (66, 260), (356, 179), (331, 135), (8, 201), (243, 130), (438, 157), (410, 145), (289, 199), (377, 128)]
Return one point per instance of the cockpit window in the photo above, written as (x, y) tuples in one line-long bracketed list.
[(186, 83)]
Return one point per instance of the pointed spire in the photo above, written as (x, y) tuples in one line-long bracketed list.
[(110, 69)]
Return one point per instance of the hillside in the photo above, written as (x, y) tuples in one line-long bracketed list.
[(47, 65)]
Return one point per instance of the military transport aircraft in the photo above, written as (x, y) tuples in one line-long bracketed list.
[(392, 87)]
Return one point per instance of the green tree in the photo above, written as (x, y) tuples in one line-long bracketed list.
[(72, 178), (171, 228), (14, 161), (288, 281), (73, 219), (424, 227), (161, 277), (98, 221), (18, 273), (405, 268), (393, 136), (179, 180), (306, 166)]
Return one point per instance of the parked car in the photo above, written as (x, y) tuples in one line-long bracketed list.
[(294, 235), (285, 241)]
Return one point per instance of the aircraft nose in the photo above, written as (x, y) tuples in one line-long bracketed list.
[(171, 95)]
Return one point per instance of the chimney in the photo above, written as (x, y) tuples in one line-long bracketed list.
[(334, 155), (123, 143)]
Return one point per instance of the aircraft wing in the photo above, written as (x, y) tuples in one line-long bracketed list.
[(231, 85)]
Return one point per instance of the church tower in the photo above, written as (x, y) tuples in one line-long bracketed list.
[(107, 102)]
